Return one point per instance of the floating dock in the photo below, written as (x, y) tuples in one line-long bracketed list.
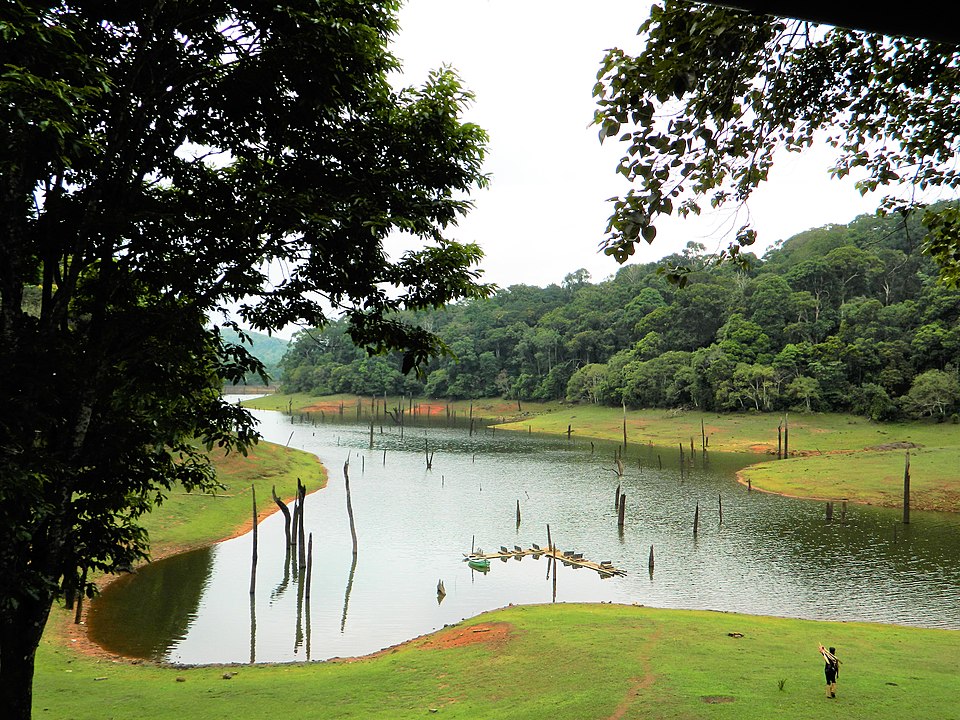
[(574, 559)]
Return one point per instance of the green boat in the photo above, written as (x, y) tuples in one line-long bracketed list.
[(478, 563)]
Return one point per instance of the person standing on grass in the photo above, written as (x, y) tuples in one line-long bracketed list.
[(831, 669)]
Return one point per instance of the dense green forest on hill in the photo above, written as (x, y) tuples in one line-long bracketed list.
[(839, 318)]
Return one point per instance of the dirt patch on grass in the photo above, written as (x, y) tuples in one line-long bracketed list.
[(639, 685), (894, 446), (495, 633), (715, 699)]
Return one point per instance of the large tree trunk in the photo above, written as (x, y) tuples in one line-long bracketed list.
[(20, 632)]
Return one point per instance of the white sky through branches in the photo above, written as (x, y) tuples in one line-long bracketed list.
[(532, 65)]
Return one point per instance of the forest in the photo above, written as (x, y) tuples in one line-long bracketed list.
[(846, 318)]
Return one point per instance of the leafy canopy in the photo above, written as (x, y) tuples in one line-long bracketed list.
[(715, 93), (158, 159)]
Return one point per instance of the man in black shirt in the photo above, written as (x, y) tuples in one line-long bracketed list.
[(831, 669)]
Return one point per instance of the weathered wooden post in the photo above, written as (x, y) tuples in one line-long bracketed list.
[(616, 499), (518, 513), (622, 512), (569, 430), (780, 440), (650, 561), (471, 418), (371, 432), (829, 512), (843, 511), (696, 519), (906, 490), (720, 505)]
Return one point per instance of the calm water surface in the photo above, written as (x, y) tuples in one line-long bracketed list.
[(770, 556)]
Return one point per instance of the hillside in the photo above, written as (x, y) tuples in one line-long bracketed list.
[(847, 318), (268, 349)]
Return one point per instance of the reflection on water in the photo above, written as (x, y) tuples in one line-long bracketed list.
[(769, 555), (152, 609)]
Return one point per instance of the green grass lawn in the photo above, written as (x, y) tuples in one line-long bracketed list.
[(868, 477), (739, 432), (832, 456), (553, 661)]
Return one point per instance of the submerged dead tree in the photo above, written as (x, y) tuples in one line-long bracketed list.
[(301, 497), (906, 490), (253, 561), (353, 528), (286, 514), (428, 456)]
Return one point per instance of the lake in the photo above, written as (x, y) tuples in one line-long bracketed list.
[(770, 556)]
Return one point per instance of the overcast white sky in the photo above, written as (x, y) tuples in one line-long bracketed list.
[(532, 65)]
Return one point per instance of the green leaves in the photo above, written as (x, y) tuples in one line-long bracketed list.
[(715, 93), (164, 162), (943, 241)]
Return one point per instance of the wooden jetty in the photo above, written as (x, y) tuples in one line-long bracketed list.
[(605, 568)]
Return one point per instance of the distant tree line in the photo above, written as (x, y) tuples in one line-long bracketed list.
[(839, 318)]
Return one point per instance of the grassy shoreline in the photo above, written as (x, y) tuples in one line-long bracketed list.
[(567, 661)]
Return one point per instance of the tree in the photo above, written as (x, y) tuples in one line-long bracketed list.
[(804, 388), (716, 93), (587, 383), (935, 393), (157, 157)]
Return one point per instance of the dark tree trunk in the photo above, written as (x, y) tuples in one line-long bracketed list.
[(20, 632)]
